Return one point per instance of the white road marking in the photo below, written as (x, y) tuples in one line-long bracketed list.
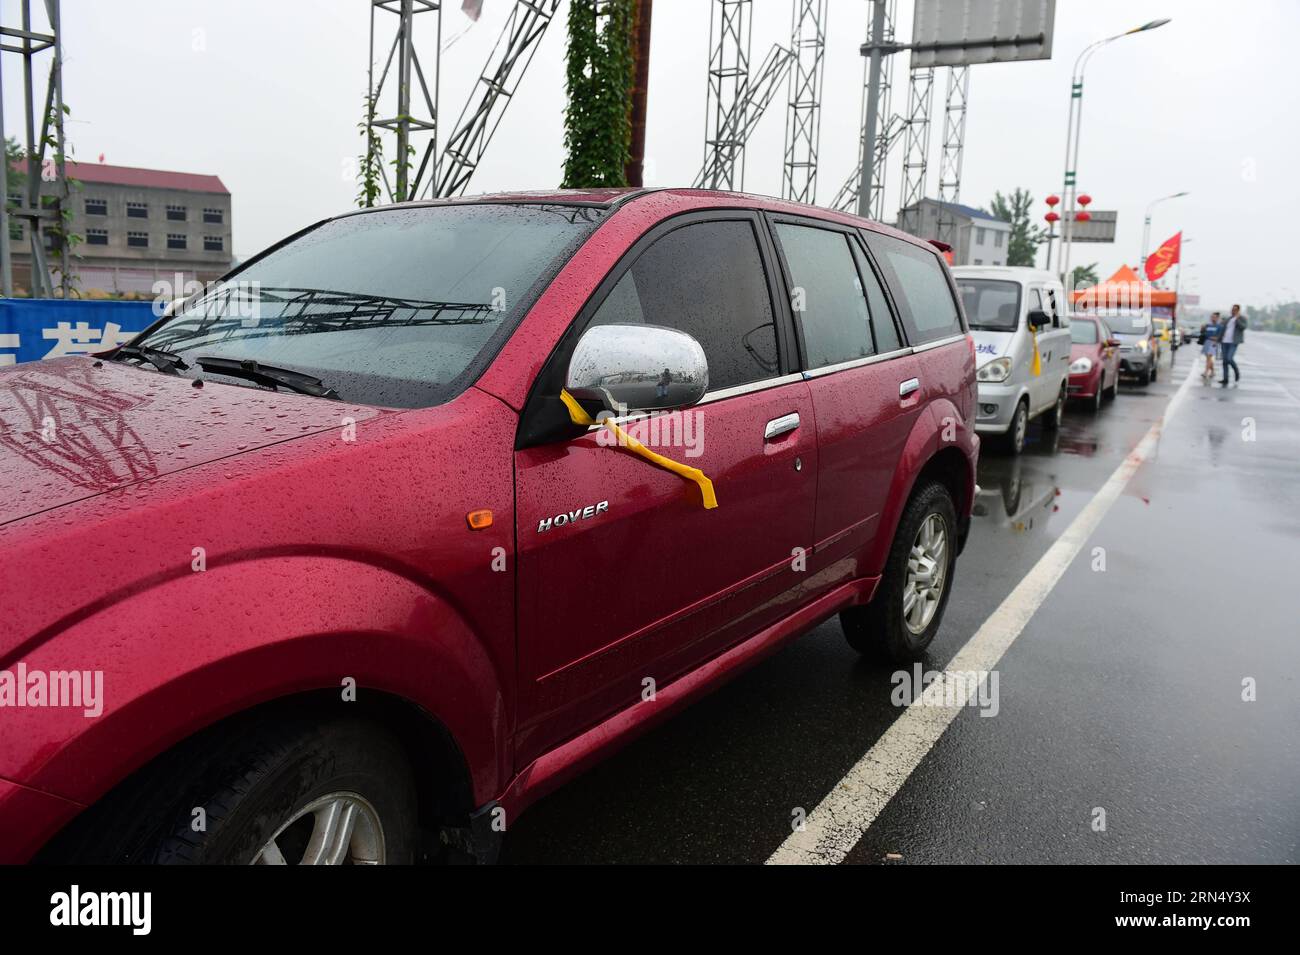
[(834, 827)]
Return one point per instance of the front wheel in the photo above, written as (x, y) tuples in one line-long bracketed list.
[(1014, 439), (1053, 419), (900, 623)]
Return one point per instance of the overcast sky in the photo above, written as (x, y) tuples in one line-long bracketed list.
[(267, 95)]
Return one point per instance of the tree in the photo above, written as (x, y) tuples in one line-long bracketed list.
[(1085, 276), (1025, 236)]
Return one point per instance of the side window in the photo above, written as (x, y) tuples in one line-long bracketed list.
[(882, 323), (707, 280), (920, 286), (825, 295)]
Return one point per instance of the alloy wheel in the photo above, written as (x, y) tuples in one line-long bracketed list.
[(927, 571), (340, 828)]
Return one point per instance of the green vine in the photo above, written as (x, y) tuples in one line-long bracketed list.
[(370, 162), (598, 80)]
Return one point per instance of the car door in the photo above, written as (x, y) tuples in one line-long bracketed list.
[(1053, 348), (863, 382), (620, 603)]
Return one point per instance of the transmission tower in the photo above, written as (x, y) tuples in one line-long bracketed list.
[(407, 77), (803, 112), (36, 212), (730, 26), (916, 145), (755, 97), (496, 86), (847, 198), (954, 139)]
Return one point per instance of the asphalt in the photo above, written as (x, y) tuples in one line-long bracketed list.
[(1124, 693)]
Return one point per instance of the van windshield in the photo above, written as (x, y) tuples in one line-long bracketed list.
[(991, 304), (390, 308)]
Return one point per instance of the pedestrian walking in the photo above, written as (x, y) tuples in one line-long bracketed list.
[(1209, 342), (1234, 333)]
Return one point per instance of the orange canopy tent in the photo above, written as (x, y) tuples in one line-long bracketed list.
[(1124, 288)]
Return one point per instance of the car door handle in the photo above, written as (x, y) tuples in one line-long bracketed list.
[(907, 387), (779, 426)]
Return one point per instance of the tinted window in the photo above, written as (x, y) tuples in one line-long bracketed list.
[(920, 287), (882, 322), (825, 295), (707, 280), (388, 307), (990, 305)]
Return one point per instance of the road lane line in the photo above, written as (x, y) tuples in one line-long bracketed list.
[(840, 820)]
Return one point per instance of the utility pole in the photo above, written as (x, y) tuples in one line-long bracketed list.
[(875, 50)]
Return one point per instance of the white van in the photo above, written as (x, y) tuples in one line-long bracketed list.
[(1011, 312)]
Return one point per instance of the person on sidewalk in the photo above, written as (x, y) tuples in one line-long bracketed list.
[(1234, 333), (1209, 342)]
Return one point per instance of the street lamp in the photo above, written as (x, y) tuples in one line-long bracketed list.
[(1072, 134), (1146, 226)]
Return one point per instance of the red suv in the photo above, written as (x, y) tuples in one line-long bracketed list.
[(428, 508)]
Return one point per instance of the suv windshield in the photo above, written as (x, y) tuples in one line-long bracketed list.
[(389, 308), (1128, 323), (991, 305)]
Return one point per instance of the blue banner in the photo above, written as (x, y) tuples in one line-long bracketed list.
[(34, 328)]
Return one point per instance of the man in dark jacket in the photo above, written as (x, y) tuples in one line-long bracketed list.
[(1234, 333)]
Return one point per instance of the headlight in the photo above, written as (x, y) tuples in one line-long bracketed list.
[(1144, 344), (1081, 367), (996, 370)]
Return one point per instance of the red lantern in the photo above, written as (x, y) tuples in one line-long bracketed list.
[(1053, 199), (1083, 215), (1084, 199), (1052, 217)]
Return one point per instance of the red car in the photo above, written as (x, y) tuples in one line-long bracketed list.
[(1094, 361), (357, 553)]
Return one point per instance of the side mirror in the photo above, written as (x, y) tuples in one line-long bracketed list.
[(638, 368), (1112, 343), (1038, 318)]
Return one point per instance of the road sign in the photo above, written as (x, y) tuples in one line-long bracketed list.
[(1100, 227), (968, 32)]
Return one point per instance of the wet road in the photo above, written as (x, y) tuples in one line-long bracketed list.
[(1123, 694)]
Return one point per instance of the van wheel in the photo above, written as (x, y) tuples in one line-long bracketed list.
[(304, 792), (908, 607), (1014, 439), (1052, 420)]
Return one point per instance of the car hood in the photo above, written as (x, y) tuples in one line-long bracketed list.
[(72, 428)]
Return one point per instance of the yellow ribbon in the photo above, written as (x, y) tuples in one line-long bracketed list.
[(1036, 368), (579, 416)]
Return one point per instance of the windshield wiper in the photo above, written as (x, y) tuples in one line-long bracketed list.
[(267, 375), (165, 361)]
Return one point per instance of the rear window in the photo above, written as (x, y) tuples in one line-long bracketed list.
[(389, 308), (920, 287)]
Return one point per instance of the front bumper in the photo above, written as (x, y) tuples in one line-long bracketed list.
[(995, 406), (1136, 362), (1085, 385), (29, 819)]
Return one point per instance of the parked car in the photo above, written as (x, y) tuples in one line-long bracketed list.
[(1013, 313), (1094, 361), (358, 546), (1139, 348)]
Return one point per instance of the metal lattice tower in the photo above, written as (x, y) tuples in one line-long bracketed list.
[(847, 198), (754, 99), (35, 211), (504, 70), (916, 145), (730, 26), (408, 77), (803, 112), (954, 139)]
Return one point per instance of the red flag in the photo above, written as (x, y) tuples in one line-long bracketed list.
[(1160, 261)]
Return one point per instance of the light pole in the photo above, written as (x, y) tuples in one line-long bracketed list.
[(1072, 138), (1146, 227)]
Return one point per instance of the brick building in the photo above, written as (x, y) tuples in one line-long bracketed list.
[(139, 226)]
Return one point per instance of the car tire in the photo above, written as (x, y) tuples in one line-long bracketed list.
[(891, 627), (1013, 441), (1097, 396), (1113, 391), (293, 782), (1144, 378), (1155, 369), (1053, 419)]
